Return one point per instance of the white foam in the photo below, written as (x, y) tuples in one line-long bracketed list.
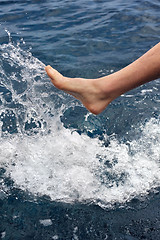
[(75, 237), (3, 234), (65, 166), (55, 237), (144, 91), (62, 164), (46, 222)]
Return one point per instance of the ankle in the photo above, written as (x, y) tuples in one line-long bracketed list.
[(107, 88)]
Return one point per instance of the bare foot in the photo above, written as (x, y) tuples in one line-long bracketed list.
[(96, 94), (89, 91)]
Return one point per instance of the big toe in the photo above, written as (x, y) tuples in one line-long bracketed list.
[(55, 76)]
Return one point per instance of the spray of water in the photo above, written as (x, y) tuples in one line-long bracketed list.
[(43, 157)]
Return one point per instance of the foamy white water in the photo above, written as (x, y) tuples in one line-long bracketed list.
[(45, 158), (67, 167)]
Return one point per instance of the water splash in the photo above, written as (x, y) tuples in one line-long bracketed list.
[(43, 157), (9, 35)]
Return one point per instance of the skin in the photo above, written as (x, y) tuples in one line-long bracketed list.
[(96, 94)]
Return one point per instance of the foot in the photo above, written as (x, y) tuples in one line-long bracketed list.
[(90, 92)]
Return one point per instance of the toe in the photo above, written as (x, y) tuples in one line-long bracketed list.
[(55, 76)]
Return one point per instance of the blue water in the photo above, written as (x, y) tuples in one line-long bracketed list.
[(66, 174)]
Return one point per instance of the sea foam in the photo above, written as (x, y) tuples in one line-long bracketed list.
[(43, 157)]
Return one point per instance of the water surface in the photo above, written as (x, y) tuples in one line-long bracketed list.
[(65, 173)]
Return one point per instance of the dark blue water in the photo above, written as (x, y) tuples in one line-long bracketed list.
[(66, 174)]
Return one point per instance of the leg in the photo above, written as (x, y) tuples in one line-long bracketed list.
[(96, 94)]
